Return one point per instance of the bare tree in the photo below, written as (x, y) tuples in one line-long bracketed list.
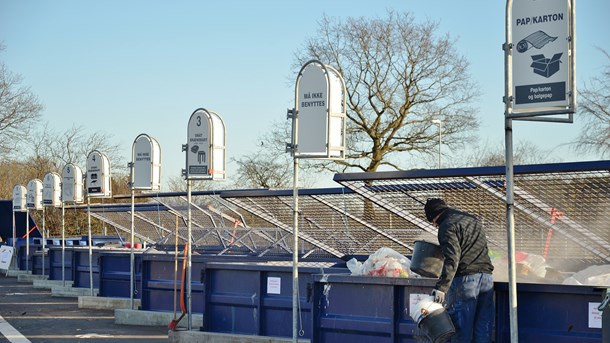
[(400, 76), (19, 109), (72, 146), (270, 166), (263, 169), (595, 112)]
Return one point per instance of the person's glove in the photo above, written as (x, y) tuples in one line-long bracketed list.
[(439, 297)]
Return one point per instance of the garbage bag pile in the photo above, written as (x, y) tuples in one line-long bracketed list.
[(598, 275), (529, 268), (383, 262)]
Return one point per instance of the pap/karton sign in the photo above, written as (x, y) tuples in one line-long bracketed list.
[(541, 54)]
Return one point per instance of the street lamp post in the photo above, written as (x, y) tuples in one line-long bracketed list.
[(440, 138)]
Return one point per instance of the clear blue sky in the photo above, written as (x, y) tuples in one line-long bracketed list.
[(131, 67)]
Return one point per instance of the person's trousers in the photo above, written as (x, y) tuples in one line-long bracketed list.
[(470, 304)]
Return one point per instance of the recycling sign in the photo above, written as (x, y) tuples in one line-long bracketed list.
[(541, 55)]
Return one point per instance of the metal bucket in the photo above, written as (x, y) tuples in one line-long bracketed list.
[(427, 259)]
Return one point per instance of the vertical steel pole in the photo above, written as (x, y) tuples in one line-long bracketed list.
[(295, 251), (43, 239), (14, 232), (63, 244), (27, 240), (131, 251), (90, 246), (188, 257), (510, 203)]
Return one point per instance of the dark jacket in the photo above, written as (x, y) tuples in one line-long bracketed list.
[(464, 247)]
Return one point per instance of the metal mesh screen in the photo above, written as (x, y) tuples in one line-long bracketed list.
[(559, 209), (560, 213), (338, 221)]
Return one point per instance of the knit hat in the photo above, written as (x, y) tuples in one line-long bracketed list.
[(434, 207)]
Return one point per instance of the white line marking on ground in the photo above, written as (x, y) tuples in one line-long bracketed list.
[(8, 331)]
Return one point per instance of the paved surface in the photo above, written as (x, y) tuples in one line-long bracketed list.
[(33, 315)]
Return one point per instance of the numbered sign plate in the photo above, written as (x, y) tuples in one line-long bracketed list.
[(98, 175), (205, 148), (19, 195), (34, 197), (51, 190), (72, 185)]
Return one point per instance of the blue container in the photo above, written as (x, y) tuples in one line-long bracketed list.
[(115, 274), (548, 313), (81, 267), (55, 261), (158, 278), (158, 283), (362, 309), (22, 253), (100, 240), (256, 298), (37, 262)]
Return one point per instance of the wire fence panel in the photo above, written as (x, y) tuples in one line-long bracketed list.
[(560, 213)]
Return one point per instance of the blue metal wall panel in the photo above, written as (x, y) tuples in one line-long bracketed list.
[(81, 268), (158, 283), (548, 313), (365, 309), (238, 301), (37, 261), (22, 255), (55, 255), (115, 274)]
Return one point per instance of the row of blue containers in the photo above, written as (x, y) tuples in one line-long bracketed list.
[(370, 309), (241, 296), (33, 260), (337, 307)]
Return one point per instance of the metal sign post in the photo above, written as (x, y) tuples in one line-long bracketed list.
[(205, 160), (34, 202), (71, 191), (98, 186), (540, 78), (145, 169), (19, 195), (318, 132), (51, 196)]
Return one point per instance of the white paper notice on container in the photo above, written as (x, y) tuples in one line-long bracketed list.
[(274, 285), (595, 316)]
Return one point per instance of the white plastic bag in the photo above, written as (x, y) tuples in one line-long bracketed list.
[(383, 262), (598, 275)]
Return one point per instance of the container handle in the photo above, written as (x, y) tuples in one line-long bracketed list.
[(605, 302)]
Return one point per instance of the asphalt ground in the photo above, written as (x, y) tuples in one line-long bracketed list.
[(30, 314)]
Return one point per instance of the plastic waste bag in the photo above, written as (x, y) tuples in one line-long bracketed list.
[(592, 276), (383, 262)]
